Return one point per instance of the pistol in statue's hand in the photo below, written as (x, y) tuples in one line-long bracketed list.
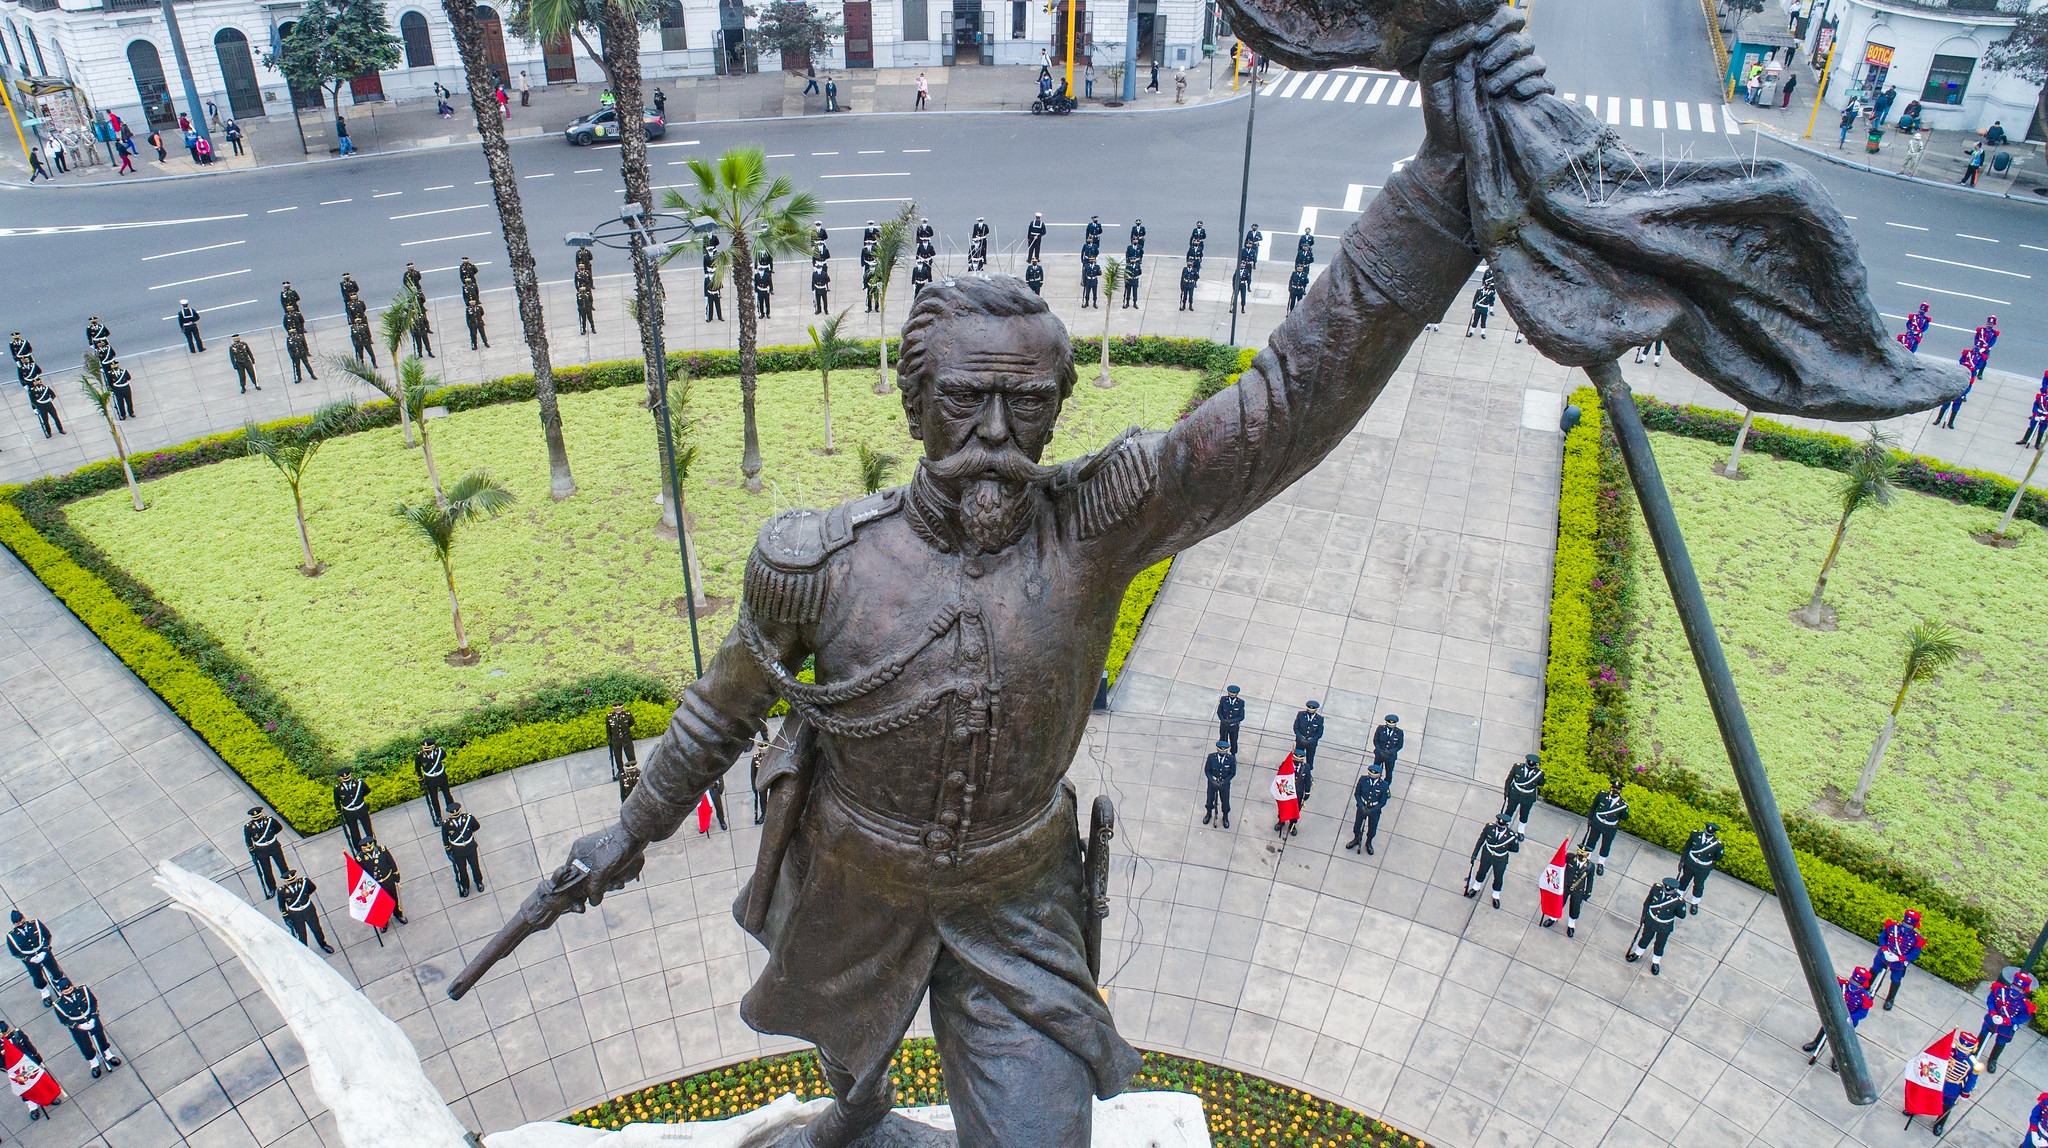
[(598, 863)]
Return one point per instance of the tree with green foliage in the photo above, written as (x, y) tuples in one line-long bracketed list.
[(333, 43), (1113, 275), (1930, 648), (97, 392), (892, 239), (761, 213), (682, 432), (1870, 481), (474, 497), (1743, 10), (793, 28), (290, 449), (2024, 53), (875, 468), (408, 388), (826, 342)]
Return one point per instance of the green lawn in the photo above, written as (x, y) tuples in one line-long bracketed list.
[(1961, 792), (550, 592)]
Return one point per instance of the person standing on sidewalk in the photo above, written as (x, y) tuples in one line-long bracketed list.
[(29, 941), (244, 359), (1973, 165), (525, 90), (1885, 100), (1785, 93), (2037, 419), (188, 323), (1088, 81), (348, 146), (1180, 86), (1152, 85), (923, 91), (262, 835), (1850, 111), (122, 384), (44, 400)]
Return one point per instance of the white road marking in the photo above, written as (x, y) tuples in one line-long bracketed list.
[(1635, 113), (1706, 117), (1971, 266), (906, 151), (819, 153), (441, 211), (541, 175), (1379, 88), (452, 266), (196, 250), (1415, 99), (883, 199), (1978, 238), (676, 143), (865, 175), (386, 194), (211, 310), (1336, 89), (1357, 87), (1657, 115), (332, 202), (1286, 91), (1593, 102), (1728, 119), (2031, 247), (444, 238), (1315, 83), (201, 279), (1906, 226), (586, 171), (439, 187), (480, 183), (1354, 196), (275, 210), (783, 155), (1394, 96), (873, 151), (1684, 111), (1957, 294)]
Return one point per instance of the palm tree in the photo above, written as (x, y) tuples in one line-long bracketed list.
[(681, 430), (890, 240), (395, 324), (875, 468), (409, 389), (474, 496), (1930, 647), (1869, 482), (469, 43), (1112, 281), (94, 384), (825, 339), (736, 193), (291, 449), (1733, 469)]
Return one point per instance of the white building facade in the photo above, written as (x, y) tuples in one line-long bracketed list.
[(118, 53), (1931, 51)]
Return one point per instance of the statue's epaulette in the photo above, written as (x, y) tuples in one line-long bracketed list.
[(785, 579), (1104, 488)]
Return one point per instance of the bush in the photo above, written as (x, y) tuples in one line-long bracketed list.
[(1130, 617), (1853, 894)]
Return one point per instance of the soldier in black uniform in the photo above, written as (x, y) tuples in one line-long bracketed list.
[(263, 835), (1091, 247), (1034, 236), (1305, 249), (1133, 269), (872, 233), (1297, 286), (1662, 907), (979, 231), (1189, 276), (473, 315), (458, 841), (1093, 231), (1091, 274), (711, 246), (1387, 740), (79, 1010), (1490, 856), (301, 352), (715, 793), (466, 271), (1702, 853), (122, 384), (295, 902), (383, 868), (1198, 238), (977, 254), (714, 296), (1308, 733), (360, 341), (1370, 798), (819, 234), (1518, 793), (19, 347), (1603, 820), (411, 278), (103, 351), (1252, 241), (349, 290), (820, 252), (96, 331), (754, 759), (1138, 235), (188, 324), (357, 309), (586, 293), (821, 288), (45, 402), (1482, 306), (1241, 287), (288, 298), (29, 941), (244, 359), (925, 248), (618, 738), (1034, 277), (869, 256), (19, 1038), (27, 371), (1578, 885), (430, 764), (871, 282), (352, 802), (764, 289), (920, 278), (924, 231), (1220, 769), (422, 332), (1229, 716)]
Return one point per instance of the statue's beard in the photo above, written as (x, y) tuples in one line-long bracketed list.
[(993, 487)]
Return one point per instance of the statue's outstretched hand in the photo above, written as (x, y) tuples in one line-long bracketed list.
[(599, 863), (1504, 66)]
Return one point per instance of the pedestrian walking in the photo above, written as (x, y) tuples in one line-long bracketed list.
[(263, 836), (383, 869), (1574, 890), (1653, 350), (244, 359), (44, 400), (1219, 769), (1663, 905), (301, 915), (188, 323), (618, 737), (79, 1010), (1856, 999), (458, 842), (1850, 111), (1898, 947), (505, 101), (30, 942), (348, 146), (1518, 793), (1286, 799), (32, 1083), (660, 104), (1603, 821), (35, 165), (1973, 165), (1088, 81), (810, 79), (1034, 236), (1497, 841), (923, 90), (1387, 740), (122, 384), (1885, 99), (525, 90), (352, 804), (1702, 853), (156, 140), (1368, 798), (430, 765), (2007, 1006)]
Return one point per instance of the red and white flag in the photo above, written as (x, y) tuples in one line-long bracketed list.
[(1284, 794), (28, 1079), (704, 813), (368, 901), (1924, 1077), (1550, 886)]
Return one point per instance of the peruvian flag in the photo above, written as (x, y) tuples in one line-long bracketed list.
[(1925, 1075), (28, 1079), (368, 901), (704, 813), (1550, 886), (1283, 791)]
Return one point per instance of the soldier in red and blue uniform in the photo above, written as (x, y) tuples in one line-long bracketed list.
[(2037, 1125), (2006, 1007), (1898, 946), (1857, 999), (1986, 337), (1916, 328), (1961, 1079), (2037, 418), (1973, 361)]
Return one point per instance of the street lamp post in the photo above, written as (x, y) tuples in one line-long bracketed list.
[(1244, 192), (640, 232)]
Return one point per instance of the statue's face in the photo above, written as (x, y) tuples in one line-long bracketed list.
[(995, 388)]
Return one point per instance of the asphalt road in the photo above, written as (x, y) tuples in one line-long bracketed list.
[(1324, 143)]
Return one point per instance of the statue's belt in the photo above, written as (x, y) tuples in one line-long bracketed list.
[(929, 841)]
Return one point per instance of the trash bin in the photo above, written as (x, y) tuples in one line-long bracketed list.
[(1876, 138)]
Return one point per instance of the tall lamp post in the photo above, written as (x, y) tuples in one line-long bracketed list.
[(1244, 188), (641, 232)]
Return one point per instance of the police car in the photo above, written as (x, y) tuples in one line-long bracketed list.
[(604, 125)]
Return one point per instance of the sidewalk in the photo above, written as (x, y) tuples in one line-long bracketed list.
[(390, 126)]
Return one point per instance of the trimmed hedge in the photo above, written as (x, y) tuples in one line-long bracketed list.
[(1130, 617), (1584, 718)]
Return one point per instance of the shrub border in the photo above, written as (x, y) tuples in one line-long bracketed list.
[(1857, 902), (254, 729)]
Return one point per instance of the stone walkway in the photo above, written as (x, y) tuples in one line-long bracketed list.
[(1414, 578)]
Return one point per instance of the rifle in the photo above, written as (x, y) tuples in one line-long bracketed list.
[(554, 896), (1095, 888)]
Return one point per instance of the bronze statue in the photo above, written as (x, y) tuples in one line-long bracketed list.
[(920, 837)]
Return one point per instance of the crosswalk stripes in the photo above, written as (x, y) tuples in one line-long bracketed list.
[(1385, 89)]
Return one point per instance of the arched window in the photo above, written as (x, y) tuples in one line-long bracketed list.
[(42, 69), (148, 69), (238, 72), (419, 47)]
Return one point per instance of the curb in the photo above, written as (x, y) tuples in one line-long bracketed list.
[(513, 142), (1770, 133)]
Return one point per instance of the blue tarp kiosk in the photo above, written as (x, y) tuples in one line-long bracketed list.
[(1750, 47)]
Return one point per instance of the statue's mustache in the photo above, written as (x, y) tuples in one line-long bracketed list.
[(977, 461)]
